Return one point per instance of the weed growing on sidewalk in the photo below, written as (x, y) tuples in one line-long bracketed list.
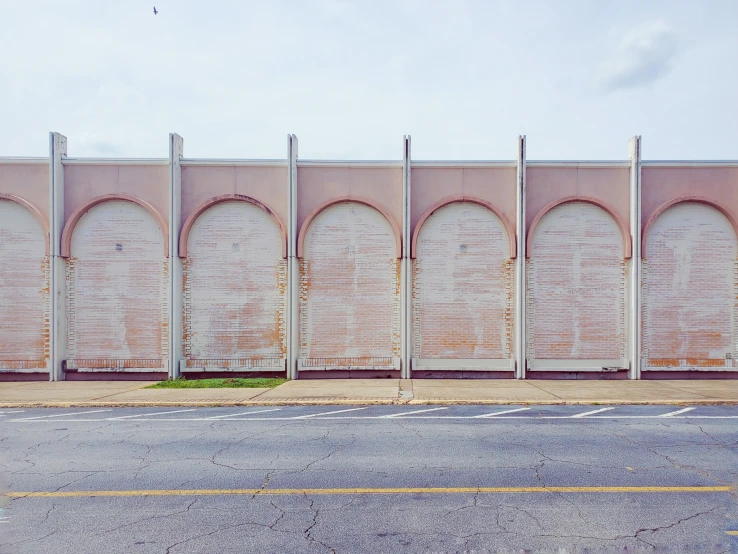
[(232, 383)]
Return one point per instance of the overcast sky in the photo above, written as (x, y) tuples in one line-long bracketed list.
[(350, 77)]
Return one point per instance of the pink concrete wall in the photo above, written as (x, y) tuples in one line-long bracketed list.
[(150, 183), (267, 184), (29, 181), (547, 184), (318, 185), (662, 184), (496, 185)]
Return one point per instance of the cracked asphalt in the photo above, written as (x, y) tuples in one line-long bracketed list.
[(276, 454)]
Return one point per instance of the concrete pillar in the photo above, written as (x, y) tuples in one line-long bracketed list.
[(293, 269), (520, 281), (406, 271), (176, 150), (57, 265), (634, 275)]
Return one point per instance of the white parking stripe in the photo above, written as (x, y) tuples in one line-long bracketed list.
[(683, 410), (328, 413), (413, 412), (242, 413), (148, 415), (585, 414), (62, 415), (500, 413)]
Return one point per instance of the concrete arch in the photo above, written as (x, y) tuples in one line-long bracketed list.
[(627, 244), (687, 198), (66, 238), (360, 200), (187, 227), (463, 198), (34, 210)]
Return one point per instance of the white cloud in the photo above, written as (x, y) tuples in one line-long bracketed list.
[(645, 54)]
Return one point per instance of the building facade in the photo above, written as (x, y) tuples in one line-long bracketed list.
[(148, 268)]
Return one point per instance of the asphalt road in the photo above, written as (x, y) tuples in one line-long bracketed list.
[(373, 479)]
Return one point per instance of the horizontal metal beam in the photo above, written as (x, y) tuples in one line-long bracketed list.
[(349, 163), (579, 163), (463, 163), (115, 161), (25, 161), (232, 162), (690, 163)]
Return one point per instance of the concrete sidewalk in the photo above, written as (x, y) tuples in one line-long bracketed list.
[(372, 391)]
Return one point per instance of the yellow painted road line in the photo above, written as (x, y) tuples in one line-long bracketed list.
[(405, 490), (734, 533)]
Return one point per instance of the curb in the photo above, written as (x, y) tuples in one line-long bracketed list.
[(366, 402)]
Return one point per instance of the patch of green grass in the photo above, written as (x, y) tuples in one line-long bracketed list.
[(232, 383)]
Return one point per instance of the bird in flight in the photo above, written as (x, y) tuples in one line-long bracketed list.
[(155, 12)]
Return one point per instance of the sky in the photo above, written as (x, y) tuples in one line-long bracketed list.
[(464, 78)]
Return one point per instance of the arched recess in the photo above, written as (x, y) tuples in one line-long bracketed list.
[(464, 198), (627, 244), (356, 199), (349, 290), (66, 237), (463, 288), (116, 288), (577, 287), (689, 291), (24, 286), (688, 198), (184, 235), (235, 281), (34, 211)]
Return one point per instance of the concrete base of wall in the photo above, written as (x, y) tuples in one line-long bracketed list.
[(7, 377), (350, 374), (456, 374), (191, 375), (578, 375), (687, 375), (116, 376)]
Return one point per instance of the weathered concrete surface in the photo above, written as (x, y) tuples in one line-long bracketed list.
[(94, 452), (375, 391)]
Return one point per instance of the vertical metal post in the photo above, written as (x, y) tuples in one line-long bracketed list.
[(634, 276), (57, 265), (293, 268), (406, 292), (520, 279), (176, 150)]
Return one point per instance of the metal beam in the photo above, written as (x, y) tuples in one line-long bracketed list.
[(57, 264), (293, 268), (520, 280), (176, 150), (406, 293), (634, 275)]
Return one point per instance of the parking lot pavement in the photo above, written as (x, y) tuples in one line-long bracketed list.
[(370, 479)]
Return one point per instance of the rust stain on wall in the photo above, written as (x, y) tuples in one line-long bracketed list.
[(235, 286), (117, 289), (689, 289), (576, 286), (349, 288), (463, 286), (24, 290)]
